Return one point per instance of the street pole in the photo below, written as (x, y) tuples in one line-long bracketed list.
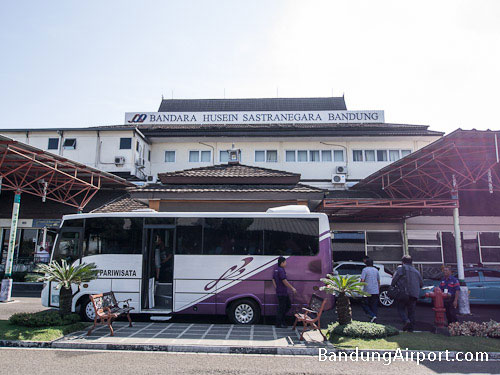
[(6, 290), (463, 301), (405, 239)]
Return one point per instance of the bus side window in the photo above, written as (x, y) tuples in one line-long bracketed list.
[(68, 246), (291, 236), (189, 235)]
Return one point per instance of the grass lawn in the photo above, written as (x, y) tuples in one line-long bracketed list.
[(13, 332), (421, 341)]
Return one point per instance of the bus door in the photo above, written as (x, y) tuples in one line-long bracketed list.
[(158, 268)]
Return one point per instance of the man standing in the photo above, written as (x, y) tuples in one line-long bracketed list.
[(371, 277), (451, 286), (409, 281), (281, 284)]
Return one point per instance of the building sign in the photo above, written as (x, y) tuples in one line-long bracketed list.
[(46, 223), (272, 117)]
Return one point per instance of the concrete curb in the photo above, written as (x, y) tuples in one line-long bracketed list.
[(311, 351)]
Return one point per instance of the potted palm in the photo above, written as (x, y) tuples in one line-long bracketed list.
[(343, 287), (65, 275)]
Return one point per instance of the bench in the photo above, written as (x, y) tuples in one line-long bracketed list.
[(311, 315), (107, 309)]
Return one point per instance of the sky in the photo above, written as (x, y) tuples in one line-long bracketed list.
[(85, 63)]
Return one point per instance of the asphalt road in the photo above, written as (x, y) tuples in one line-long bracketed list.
[(50, 361)]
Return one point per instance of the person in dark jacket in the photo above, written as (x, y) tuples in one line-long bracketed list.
[(410, 281)]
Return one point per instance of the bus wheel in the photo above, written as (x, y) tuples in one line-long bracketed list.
[(244, 311), (87, 312), (384, 298)]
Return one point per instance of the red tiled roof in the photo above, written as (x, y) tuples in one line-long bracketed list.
[(295, 188), (122, 204), (229, 173)]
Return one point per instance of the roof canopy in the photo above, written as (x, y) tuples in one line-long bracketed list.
[(27, 169), (465, 160), (428, 179)]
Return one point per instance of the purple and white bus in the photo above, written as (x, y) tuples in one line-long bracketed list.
[(195, 263)]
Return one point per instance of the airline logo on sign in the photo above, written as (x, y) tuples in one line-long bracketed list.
[(309, 117)]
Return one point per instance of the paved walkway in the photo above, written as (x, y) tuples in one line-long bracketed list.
[(193, 335)]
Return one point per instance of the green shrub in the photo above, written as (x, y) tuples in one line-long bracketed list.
[(364, 330), (43, 319)]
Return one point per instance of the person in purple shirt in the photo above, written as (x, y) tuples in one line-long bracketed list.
[(281, 284), (450, 285)]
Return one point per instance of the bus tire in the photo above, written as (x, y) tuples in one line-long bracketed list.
[(244, 311), (87, 312), (383, 299)]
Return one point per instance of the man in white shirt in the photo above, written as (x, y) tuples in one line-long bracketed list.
[(42, 255), (371, 277)]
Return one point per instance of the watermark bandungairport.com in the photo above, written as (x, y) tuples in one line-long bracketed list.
[(404, 355)]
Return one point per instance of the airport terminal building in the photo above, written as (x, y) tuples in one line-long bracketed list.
[(253, 154)]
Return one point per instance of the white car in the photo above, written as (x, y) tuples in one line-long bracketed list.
[(355, 268)]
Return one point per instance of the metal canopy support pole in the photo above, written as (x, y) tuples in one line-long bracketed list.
[(463, 301), (405, 239), (6, 290), (458, 244)]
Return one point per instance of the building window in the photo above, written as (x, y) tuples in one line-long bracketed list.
[(490, 247), (357, 155), (169, 156), (149, 155), (381, 155), (314, 156), (338, 155), (405, 153), (268, 156), (348, 246), (137, 146), (424, 246), (53, 144), (260, 156), (369, 155), (69, 144), (326, 155), (125, 143), (302, 155), (394, 155), (200, 156), (290, 156), (223, 156), (384, 246), (271, 156)]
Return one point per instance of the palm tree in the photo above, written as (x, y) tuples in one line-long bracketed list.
[(343, 287), (65, 275)]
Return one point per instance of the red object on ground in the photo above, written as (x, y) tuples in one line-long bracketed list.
[(438, 300)]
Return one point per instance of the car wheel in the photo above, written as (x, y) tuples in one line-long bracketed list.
[(244, 311), (87, 311), (384, 299)]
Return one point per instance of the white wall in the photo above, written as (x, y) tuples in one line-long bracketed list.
[(109, 140), (97, 149), (308, 170)]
